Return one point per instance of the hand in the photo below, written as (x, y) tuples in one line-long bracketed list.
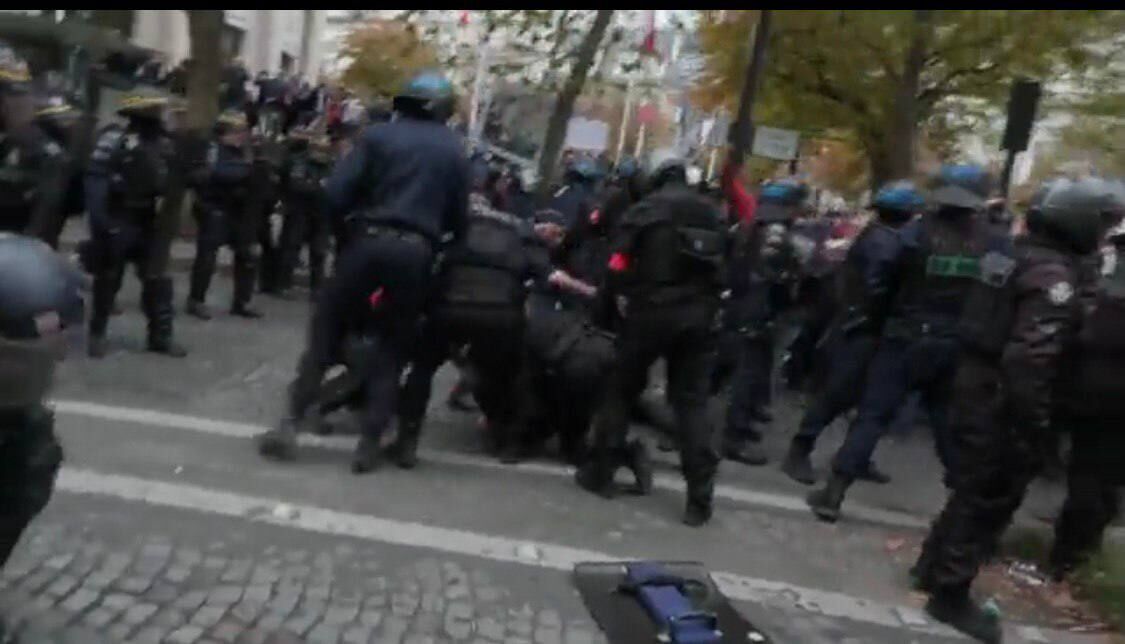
[(550, 233)]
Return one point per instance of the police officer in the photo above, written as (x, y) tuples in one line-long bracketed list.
[(268, 147), (1018, 323), (917, 350), (409, 179), (39, 299), (574, 199), (479, 302), (58, 118), (303, 177), (763, 264), (127, 175), (864, 284), (1091, 408), (224, 217), (33, 168), (665, 288)]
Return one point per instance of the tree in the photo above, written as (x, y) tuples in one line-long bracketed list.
[(205, 28), (564, 106), (382, 55), (120, 20), (884, 76)]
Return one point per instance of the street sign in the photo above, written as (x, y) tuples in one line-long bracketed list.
[(774, 143), (586, 134)]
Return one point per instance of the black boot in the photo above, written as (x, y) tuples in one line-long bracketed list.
[(957, 609), (798, 465), (745, 451), (197, 309), (367, 456), (405, 448), (156, 299), (596, 479), (280, 443), (104, 290), (873, 474), (697, 514), (641, 466), (825, 502), (700, 495), (96, 346), (244, 287)]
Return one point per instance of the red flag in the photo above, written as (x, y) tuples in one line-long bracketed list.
[(649, 44), (464, 18)]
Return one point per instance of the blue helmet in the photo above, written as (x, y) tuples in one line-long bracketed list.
[(627, 168), (427, 94), (784, 193), (900, 196), (583, 169), (961, 186)]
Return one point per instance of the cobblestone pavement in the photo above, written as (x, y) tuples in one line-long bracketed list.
[(90, 572)]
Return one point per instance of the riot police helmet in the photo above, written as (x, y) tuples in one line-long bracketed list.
[(40, 297), (961, 187), (666, 167), (899, 200), (1075, 212), (428, 95), (15, 77), (779, 201), (56, 115), (582, 170), (626, 169), (144, 103)]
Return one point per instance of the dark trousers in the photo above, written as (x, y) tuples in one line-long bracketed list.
[(109, 257), (843, 386), (1091, 497), (749, 386), (549, 404), (493, 337), (684, 335), (218, 229), (30, 456), (902, 365), (270, 267), (378, 290), (304, 226)]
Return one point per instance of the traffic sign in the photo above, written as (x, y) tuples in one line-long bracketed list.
[(775, 143)]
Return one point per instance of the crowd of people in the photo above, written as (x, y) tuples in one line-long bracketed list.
[(556, 310)]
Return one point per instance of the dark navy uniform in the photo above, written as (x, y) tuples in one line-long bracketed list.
[(408, 182), (303, 179), (1021, 325), (224, 217), (127, 175)]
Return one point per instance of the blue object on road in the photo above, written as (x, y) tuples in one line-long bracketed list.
[(663, 596)]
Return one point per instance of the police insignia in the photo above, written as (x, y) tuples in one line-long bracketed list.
[(1060, 293)]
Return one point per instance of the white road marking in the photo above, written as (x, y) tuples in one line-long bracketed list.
[(157, 419), (548, 555)]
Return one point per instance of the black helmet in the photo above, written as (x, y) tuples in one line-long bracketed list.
[(429, 94), (961, 186), (40, 296), (1076, 212), (664, 167), (14, 74), (230, 121)]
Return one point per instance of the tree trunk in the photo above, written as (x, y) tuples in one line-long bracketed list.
[(205, 28), (900, 141), (564, 105), (118, 19)]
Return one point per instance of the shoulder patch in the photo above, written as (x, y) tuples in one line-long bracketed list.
[(996, 268), (52, 149), (1060, 293)]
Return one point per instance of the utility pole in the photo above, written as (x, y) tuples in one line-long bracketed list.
[(743, 128)]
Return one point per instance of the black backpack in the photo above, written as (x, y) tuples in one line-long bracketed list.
[(1099, 374), (487, 267), (671, 243)]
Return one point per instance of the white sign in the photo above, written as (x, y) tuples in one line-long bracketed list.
[(586, 134), (718, 132), (773, 143)]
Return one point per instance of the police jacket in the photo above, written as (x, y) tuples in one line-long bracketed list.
[(940, 261), (127, 173), (223, 183), (1018, 324), (408, 173), (33, 182), (867, 280)]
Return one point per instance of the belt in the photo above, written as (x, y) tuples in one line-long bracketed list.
[(383, 230)]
